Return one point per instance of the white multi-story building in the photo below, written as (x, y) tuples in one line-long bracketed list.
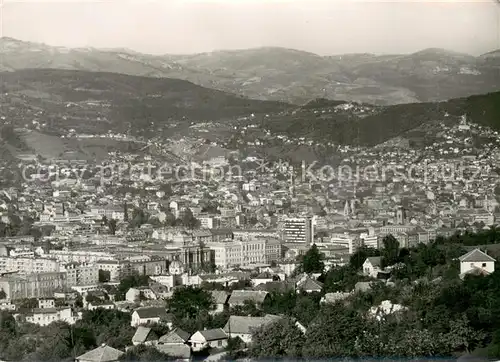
[(298, 230), (346, 240), (110, 212), (28, 265), (114, 267), (80, 256), (257, 251), (81, 274), (369, 240)]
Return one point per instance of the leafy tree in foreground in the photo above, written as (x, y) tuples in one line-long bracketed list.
[(146, 354), (279, 339), (390, 251), (312, 261), (188, 302)]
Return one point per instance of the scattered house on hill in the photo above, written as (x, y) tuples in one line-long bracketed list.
[(212, 338), (244, 327), (144, 335), (385, 308), (334, 297), (262, 278), (476, 261), (100, 305), (239, 297), (46, 316), (177, 336), (372, 266), (309, 285), (146, 315), (136, 294), (103, 353), (220, 299)]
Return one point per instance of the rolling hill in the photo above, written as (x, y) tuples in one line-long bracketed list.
[(58, 101), (382, 123), (284, 74), (94, 102)]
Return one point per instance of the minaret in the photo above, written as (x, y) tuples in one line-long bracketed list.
[(347, 210), (292, 182)]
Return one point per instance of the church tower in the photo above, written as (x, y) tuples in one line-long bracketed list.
[(400, 216)]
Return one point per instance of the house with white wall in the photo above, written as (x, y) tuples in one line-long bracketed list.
[(208, 338), (476, 261), (372, 266)]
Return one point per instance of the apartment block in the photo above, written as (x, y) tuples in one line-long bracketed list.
[(28, 265), (298, 230), (243, 253), (81, 274)]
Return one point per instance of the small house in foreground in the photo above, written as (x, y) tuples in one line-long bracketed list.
[(103, 353), (208, 338)]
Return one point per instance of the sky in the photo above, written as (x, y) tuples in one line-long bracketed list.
[(324, 27)]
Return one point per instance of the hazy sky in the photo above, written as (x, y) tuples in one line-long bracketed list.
[(323, 27)]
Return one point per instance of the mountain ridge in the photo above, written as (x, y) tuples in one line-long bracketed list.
[(282, 74)]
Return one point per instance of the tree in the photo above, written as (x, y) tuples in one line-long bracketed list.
[(139, 218), (390, 251), (188, 302), (462, 336), (3, 295), (104, 276), (358, 258), (333, 332), (125, 212), (312, 261), (249, 308), (279, 339), (112, 226), (188, 220), (131, 281)]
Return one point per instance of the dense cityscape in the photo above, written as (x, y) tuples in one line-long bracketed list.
[(258, 203)]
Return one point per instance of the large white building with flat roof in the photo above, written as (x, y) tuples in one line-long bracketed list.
[(298, 230)]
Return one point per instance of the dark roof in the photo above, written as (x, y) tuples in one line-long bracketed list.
[(278, 286), (240, 296), (475, 256), (151, 312), (221, 231), (143, 334), (175, 336), (375, 260), (310, 284), (247, 325), (220, 296), (213, 334), (103, 353)]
